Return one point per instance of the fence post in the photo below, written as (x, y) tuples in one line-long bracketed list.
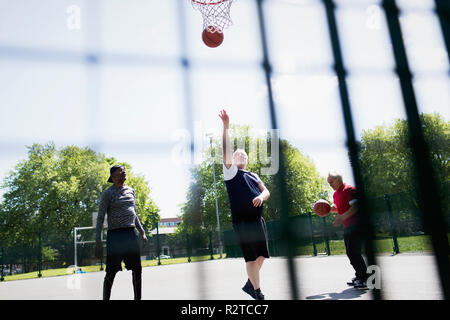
[(312, 235), (101, 259), (158, 249), (188, 246), (2, 262), (39, 254), (272, 237), (429, 200), (287, 234), (387, 199), (352, 144), (325, 234), (211, 249), (443, 11)]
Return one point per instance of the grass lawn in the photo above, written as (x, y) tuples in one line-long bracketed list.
[(96, 268), (420, 243)]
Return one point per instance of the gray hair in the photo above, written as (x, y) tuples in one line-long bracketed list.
[(240, 151), (335, 175)]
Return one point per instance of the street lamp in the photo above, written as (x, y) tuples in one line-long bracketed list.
[(215, 196)]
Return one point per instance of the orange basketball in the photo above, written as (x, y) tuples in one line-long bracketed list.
[(322, 208), (212, 37)]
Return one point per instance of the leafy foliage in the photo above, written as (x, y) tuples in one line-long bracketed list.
[(53, 191), (304, 184), (386, 159), (388, 168)]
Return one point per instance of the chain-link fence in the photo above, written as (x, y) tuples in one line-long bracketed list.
[(396, 220)]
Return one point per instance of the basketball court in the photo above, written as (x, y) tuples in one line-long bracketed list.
[(404, 276), (132, 85)]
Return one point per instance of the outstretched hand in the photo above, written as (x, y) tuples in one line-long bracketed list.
[(225, 118)]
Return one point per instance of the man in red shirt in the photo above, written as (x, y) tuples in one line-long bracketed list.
[(345, 204)]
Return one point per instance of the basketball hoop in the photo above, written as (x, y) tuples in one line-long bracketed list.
[(215, 13)]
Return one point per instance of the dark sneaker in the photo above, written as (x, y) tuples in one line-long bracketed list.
[(248, 288), (259, 295), (352, 282), (359, 284)]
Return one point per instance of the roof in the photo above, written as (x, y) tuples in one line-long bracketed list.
[(167, 230), (177, 219)]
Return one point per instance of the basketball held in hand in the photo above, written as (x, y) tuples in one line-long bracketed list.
[(212, 37), (322, 208)]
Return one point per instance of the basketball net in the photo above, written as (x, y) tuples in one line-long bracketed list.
[(215, 13)]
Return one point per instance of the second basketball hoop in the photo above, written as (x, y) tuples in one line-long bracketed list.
[(216, 17)]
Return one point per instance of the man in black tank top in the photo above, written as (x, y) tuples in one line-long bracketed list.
[(246, 193)]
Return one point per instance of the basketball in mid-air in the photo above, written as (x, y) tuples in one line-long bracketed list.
[(212, 37), (322, 208)]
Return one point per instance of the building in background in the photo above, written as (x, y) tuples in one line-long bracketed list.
[(167, 226)]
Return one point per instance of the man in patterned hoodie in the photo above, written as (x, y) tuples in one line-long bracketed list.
[(118, 202)]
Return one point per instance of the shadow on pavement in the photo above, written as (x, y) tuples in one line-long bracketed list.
[(350, 293)]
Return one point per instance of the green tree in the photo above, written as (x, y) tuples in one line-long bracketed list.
[(386, 159), (304, 183), (387, 167), (53, 191)]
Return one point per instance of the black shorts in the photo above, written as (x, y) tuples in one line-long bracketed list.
[(122, 245), (252, 238)]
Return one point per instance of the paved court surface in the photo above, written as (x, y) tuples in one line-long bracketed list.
[(404, 276)]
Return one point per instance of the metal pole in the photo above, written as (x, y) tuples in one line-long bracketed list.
[(40, 256), (273, 235), (387, 199), (325, 234), (188, 242), (443, 13), (211, 249), (75, 247), (158, 249), (215, 197), (1, 265), (280, 178), (101, 259), (312, 234), (364, 213), (429, 198), (187, 101)]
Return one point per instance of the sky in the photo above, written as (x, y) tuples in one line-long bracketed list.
[(133, 105)]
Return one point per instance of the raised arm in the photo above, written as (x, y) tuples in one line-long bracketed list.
[(226, 146)]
